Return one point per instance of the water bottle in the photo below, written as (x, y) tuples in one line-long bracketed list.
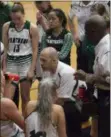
[(82, 93), (11, 76)]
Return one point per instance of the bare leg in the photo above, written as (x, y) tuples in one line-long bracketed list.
[(94, 128), (25, 94), (9, 90), (16, 96)]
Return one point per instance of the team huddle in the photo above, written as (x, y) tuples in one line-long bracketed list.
[(42, 51)]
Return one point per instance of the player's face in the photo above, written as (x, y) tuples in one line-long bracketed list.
[(45, 62), (43, 6), (53, 20), (17, 17), (91, 34)]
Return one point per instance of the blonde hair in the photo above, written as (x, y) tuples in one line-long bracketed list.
[(47, 92)]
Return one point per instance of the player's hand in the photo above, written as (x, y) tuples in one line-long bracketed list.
[(80, 75), (30, 75), (39, 17), (76, 40)]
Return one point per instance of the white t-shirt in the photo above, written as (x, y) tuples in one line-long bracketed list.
[(102, 62), (64, 77), (83, 12)]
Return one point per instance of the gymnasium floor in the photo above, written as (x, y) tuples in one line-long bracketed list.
[(30, 11)]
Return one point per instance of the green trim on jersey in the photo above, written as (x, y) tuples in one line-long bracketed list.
[(19, 60), (26, 25)]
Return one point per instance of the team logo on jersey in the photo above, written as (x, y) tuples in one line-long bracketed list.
[(49, 37), (51, 41)]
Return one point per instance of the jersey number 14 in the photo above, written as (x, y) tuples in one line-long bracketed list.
[(16, 48)]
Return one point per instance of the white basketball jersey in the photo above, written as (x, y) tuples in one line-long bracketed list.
[(34, 127), (1, 48), (19, 41), (9, 129), (1, 51)]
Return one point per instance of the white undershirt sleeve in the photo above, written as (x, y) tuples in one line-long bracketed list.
[(105, 64)]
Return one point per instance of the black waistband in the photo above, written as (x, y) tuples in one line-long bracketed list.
[(10, 56), (2, 52), (69, 102), (103, 92)]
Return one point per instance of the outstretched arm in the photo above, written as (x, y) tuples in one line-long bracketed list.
[(13, 114)]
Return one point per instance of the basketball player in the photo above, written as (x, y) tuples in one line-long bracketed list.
[(43, 117), (5, 9), (20, 38), (68, 88), (44, 7), (57, 36), (11, 121), (16, 95)]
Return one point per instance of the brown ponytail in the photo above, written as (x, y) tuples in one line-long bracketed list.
[(18, 7)]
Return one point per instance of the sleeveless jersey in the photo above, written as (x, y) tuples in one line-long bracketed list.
[(9, 129), (1, 52), (19, 41), (1, 48), (33, 127), (57, 42)]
